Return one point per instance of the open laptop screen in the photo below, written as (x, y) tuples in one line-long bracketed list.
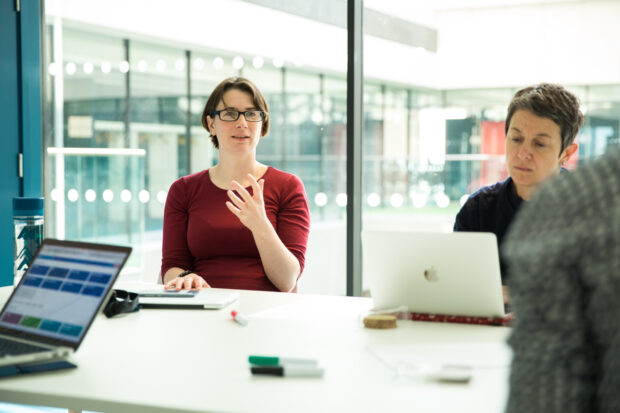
[(63, 290)]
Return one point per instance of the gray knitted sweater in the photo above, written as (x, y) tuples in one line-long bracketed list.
[(563, 252)]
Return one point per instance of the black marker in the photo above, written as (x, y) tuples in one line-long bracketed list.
[(288, 371)]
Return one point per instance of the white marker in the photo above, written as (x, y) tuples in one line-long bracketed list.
[(241, 320)]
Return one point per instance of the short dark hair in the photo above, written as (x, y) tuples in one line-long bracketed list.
[(550, 101), (244, 85)]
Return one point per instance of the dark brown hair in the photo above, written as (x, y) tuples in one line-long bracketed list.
[(553, 102), (244, 85)]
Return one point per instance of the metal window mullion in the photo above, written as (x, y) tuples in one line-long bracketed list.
[(354, 146), (383, 163), (322, 143), (408, 160), (127, 112), (188, 120), (284, 130), (127, 137), (58, 121)]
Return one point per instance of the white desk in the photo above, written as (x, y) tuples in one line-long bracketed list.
[(196, 361)]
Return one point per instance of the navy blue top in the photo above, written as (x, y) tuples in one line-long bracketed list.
[(490, 209)]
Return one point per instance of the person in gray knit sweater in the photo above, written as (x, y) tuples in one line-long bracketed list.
[(564, 258)]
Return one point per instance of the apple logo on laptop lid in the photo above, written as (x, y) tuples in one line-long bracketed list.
[(431, 274)]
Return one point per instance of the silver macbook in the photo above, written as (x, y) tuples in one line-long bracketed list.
[(436, 273), (53, 306)]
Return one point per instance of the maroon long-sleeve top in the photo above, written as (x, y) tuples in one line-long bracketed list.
[(202, 235)]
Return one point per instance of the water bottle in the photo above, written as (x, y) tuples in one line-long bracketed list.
[(28, 223)]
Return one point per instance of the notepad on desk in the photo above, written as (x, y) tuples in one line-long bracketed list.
[(206, 299)]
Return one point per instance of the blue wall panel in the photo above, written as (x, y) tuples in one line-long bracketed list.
[(30, 53), (20, 116), (10, 113)]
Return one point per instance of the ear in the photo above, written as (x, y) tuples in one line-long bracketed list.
[(210, 124), (568, 152)]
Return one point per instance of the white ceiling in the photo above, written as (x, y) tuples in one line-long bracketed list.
[(426, 12)]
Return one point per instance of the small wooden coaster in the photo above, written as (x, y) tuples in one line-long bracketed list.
[(380, 321)]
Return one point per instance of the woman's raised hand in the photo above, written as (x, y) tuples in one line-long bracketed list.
[(250, 209)]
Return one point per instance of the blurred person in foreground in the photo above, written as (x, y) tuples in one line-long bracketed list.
[(541, 126), (239, 224), (563, 252)]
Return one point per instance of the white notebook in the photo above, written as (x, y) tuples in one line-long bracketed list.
[(206, 299)]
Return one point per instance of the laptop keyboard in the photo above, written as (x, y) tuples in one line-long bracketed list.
[(16, 348)]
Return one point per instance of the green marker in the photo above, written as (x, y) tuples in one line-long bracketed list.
[(280, 361)]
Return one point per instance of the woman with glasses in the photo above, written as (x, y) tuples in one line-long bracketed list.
[(239, 224)]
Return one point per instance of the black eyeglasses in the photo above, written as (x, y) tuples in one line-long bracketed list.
[(229, 115)]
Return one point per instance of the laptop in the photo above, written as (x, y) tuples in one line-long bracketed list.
[(435, 273), (51, 309), (205, 299)]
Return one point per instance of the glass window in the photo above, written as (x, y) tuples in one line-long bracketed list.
[(123, 101), (439, 78), (92, 174), (127, 100)]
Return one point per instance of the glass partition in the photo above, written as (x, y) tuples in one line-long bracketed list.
[(141, 90), (438, 79)]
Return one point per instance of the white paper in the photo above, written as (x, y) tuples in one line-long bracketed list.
[(421, 356)]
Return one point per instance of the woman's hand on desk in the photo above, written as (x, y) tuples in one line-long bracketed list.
[(188, 282)]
